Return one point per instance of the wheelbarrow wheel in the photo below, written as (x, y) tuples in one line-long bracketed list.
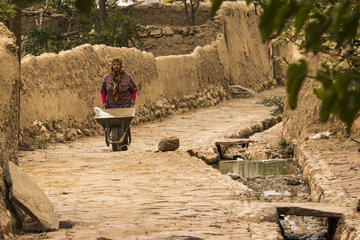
[(115, 137)]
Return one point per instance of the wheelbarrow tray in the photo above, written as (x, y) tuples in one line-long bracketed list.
[(120, 117)]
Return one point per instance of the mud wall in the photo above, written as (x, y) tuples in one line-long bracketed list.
[(62, 89), (9, 118), (300, 123)]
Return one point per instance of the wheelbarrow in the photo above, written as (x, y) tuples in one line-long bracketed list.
[(116, 123)]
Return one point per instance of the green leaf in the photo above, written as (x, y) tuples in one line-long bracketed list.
[(215, 7), (325, 78), (339, 12), (295, 77), (350, 109), (302, 15), (272, 9), (328, 101), (315, 32), (349, 29), (287, 12), (319, 93)]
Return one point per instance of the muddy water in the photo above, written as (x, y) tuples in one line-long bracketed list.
[(246, 169)]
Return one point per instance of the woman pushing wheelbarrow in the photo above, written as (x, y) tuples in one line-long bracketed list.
[(118, 94)]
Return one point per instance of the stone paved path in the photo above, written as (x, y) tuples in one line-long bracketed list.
[(142, 194)]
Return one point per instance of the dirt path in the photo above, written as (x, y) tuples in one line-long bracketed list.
[(142, 194)]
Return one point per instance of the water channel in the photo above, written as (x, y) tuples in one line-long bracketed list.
[(278, 181)]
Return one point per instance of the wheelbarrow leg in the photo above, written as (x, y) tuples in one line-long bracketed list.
[(127, 138), (115, 132), (107, 137)]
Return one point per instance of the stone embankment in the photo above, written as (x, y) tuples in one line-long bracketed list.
[(332, 169)]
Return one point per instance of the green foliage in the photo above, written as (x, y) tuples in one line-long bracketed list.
[(43, 40), (283, 144), (119, 31), (278, 102), (295, 78), (6, 10), (328, 27)]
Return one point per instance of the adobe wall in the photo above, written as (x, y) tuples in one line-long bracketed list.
[(9, 109), (60, 90), (300, 123)]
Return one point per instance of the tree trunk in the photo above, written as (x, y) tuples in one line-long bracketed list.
[(15, 26), (102, 10)]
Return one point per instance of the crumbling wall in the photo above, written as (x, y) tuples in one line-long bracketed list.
[(247, 58), (304, 120), (9, 117), (60, 90)]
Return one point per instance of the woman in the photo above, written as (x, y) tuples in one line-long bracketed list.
[(118, 89)]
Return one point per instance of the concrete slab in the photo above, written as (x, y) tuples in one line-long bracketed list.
[(25, 194)]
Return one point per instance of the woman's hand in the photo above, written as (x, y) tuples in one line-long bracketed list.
[(104, 105)]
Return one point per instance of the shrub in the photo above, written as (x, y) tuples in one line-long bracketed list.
[(47, 39), (275, 101)]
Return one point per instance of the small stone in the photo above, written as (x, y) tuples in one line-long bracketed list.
[(169, 144), (70, 134), (79, 132), (87, 132), (46, 136), (60, 137), (168, 31), (43, 128), (156, 33)]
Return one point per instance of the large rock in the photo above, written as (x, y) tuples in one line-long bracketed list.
[(169, 144), (25, 194)]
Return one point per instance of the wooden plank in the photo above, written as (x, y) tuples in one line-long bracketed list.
[(234, 142), (299, 211)]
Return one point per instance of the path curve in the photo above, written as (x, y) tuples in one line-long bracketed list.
[(143, 194)]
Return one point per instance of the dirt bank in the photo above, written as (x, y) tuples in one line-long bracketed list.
[(9, 117)]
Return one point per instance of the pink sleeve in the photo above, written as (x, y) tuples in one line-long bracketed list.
[(103, 97), (134, 95)]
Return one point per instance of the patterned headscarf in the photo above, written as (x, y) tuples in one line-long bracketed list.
[(116, 78)]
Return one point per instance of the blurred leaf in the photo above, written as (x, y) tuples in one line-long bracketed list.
[(339, 12), (349, 29), (351, 106), (295, 77), (324, 78), (302, 15), (272, 9), (215, 7), (315, 32), (286, 13), (328, 100), (319, 93)]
